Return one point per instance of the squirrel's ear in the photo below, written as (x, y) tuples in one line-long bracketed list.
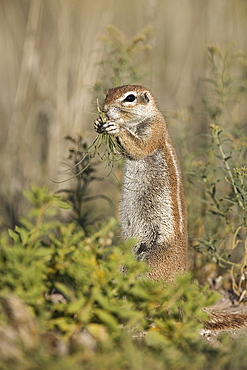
[(145, 97)]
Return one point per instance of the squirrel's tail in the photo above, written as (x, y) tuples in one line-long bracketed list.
[(224, 319)]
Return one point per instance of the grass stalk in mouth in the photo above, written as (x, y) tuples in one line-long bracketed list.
[(111, 152)]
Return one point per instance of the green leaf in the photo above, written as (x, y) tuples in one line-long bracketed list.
[(64, 289), (106, 318), (155, 339), (43, 252), (76, 306), (13, 235), (62, 204)]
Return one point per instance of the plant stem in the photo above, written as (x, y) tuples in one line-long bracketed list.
[(228, 169)]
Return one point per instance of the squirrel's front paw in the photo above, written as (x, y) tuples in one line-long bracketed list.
[(98, 125), (110, 127)]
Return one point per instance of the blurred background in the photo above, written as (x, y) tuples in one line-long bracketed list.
[(51, 61)]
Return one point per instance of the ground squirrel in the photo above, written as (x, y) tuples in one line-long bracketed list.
[(152, 208)]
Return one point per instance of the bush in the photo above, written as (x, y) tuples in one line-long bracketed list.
[(91, 297)]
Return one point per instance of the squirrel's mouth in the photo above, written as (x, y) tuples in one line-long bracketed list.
[(111, 113)]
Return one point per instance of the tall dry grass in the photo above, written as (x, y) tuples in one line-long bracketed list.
[(48, 67), (49, 64)]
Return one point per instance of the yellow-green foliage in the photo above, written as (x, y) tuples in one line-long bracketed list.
[(101, 290)]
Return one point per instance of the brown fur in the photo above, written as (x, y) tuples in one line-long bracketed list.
[(225, 319), (153, 207)]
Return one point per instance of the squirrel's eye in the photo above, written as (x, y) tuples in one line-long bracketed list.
[(130, 98)]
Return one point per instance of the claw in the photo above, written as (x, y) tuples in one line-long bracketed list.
[(98, 125), (110, 127)]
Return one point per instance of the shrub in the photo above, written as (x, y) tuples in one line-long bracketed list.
[(91, 295)]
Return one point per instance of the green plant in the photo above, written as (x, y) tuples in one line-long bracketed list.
[(82, 165), (122, 60), (80, 286), (219, 177)]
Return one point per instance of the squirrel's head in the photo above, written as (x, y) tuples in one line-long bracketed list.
[(131, 103)]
